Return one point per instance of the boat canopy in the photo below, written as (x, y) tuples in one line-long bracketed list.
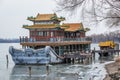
[(107, 44)]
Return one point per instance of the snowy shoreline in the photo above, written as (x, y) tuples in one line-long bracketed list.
[(98, 71), (95, 71)]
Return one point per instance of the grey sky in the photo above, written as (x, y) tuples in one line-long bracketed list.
[(13, 14)]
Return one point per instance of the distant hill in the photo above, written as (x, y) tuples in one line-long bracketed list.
[(9, 40)]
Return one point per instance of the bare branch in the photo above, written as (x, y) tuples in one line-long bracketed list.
[(94, 10)]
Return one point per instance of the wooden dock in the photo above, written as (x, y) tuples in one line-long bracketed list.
[(110, 50), (78, 57), (102, 53)]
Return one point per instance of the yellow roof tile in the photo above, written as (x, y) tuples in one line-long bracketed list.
[(107, 44), (41, 26), (44, 16), (72, 26)]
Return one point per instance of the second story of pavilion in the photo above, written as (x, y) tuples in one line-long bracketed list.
[(47, 27)]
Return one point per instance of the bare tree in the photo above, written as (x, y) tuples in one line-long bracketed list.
[(94, 10)]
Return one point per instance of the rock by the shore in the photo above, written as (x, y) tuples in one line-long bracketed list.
[(117, 59), (112, 68)]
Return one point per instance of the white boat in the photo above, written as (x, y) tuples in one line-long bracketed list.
[(31, 56)]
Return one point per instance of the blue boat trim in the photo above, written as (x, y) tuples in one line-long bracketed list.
[(31, 56)]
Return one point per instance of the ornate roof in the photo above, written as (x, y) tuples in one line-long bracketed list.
[(72, 26), (107, 44), (46, 17), (40, 26)]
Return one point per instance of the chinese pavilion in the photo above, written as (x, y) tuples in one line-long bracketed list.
[(47, 31)]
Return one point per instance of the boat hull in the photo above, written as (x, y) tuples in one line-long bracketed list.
[(31, 56)]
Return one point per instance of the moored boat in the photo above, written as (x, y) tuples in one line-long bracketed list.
[(47, 30)]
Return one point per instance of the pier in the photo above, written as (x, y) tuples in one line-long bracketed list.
[(109, 52), (78, 57)]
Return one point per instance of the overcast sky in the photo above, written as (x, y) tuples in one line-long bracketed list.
[(13, 14)]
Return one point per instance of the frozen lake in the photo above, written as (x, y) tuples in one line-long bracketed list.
[(94, 71)]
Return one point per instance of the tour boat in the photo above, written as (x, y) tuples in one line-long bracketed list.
[(46, 33)]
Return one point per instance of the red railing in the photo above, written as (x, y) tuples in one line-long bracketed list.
[(26, 39)]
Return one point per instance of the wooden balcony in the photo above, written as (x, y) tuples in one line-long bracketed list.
[(54, 42)]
